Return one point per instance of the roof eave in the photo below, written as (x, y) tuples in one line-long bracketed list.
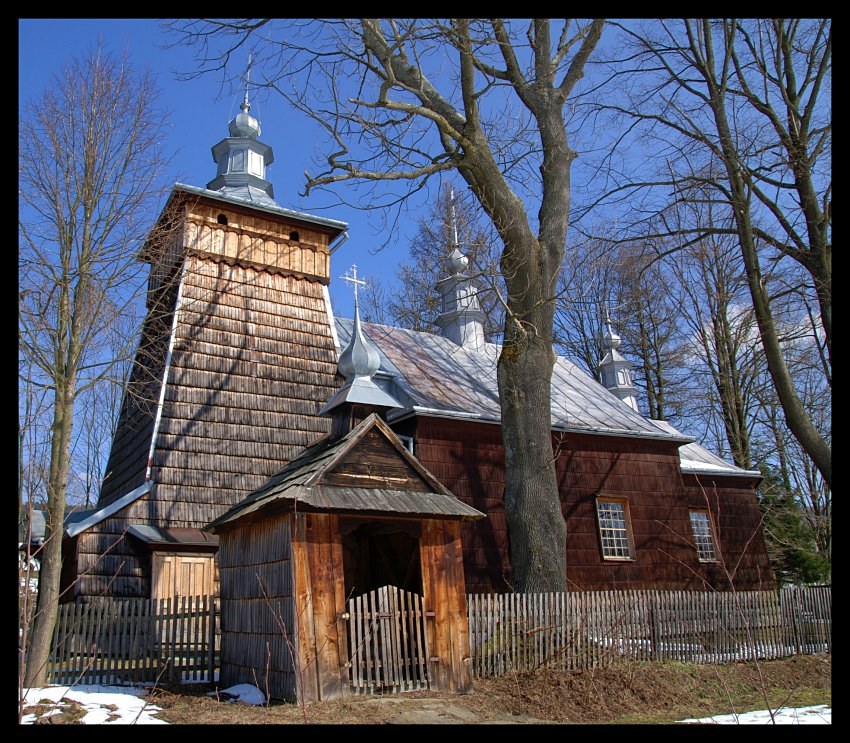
[(327, 224)]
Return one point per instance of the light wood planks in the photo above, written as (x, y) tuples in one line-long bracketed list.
[(571, 631)]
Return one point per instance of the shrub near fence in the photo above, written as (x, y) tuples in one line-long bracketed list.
[(520, 632), (109, 641)]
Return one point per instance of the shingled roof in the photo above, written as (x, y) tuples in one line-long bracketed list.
[(333, 475)]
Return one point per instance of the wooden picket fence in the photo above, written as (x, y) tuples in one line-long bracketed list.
[(570, 631), (115, 641)]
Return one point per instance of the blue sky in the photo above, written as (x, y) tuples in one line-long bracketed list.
[(199, 114)]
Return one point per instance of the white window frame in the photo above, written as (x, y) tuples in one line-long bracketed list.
[(702, 529), (615, 529)]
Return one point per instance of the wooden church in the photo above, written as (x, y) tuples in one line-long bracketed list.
[(237, 364)]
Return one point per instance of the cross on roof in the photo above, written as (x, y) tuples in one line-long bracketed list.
[(350, 278)]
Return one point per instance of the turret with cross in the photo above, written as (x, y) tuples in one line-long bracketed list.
[(358, 362)]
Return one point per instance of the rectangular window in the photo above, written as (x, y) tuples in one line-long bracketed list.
[(703, 536), (614, 529)]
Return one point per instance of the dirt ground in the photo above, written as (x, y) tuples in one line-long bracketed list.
[(627, 693)]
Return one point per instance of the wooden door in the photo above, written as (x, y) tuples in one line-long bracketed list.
[(179, 574)]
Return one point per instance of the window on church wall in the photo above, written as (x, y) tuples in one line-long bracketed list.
[(703, 536), (614, 529)]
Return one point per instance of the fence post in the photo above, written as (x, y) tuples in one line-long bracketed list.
[(654, 629)]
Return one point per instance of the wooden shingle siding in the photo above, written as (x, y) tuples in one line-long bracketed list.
[(227, 413), (257, 612), (128, 458), (108, 561), (250, 240), (253, 360), (467, 458)]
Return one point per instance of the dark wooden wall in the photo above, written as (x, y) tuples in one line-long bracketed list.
[(732, 504), (105, 561), (468, 459)]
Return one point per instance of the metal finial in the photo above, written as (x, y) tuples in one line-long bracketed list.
[(246, 106), (350, 278), (454, 221)]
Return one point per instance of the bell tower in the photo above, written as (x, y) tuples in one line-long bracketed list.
[(237, 356)]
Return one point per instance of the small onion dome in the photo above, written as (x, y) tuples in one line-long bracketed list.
[(611, 339), (245, 125), (458, 261), (359, 359)]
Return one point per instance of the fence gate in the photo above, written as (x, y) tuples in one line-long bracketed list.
[(388, 642)]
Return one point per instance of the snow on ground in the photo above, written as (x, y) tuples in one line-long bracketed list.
[(104, 705), (121, 705)]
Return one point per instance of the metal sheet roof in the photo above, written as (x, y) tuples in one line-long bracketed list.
[(79, 522), (428, 373), (172, 536), (697, 459)]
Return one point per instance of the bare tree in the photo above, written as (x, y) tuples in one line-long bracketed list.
[(412, 301), (724, 338), (584, 301), (404, 100), (648, 303), (738, 111), (90, 157), (373, 300)]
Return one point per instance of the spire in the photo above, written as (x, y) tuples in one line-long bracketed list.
[(245, 125), (359, 395), (242, 159), (360, 358), (615, 369), (455, 241), (462, 319)]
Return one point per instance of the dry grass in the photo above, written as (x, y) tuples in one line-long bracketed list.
[(626, 693)]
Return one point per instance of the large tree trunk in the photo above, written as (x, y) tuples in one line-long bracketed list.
[(530, 265), (538, 531), (795, 414)]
